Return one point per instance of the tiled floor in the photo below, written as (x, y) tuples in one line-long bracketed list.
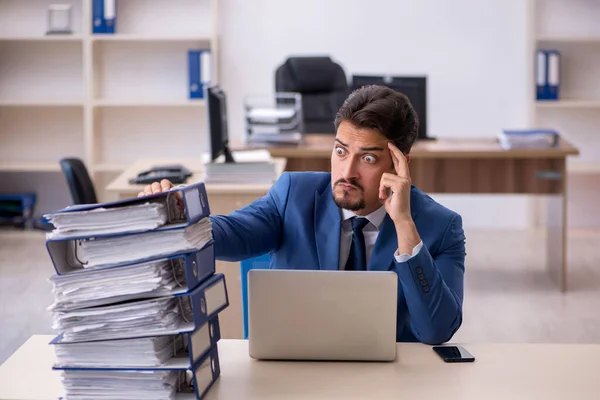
[(508, 297)]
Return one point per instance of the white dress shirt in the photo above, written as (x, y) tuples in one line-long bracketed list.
[(370, 232)]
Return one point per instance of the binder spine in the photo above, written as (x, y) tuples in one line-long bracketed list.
[(203, 339), (553, 61), (206, 373), (541, 75), (209, 299), (110, 14), (199, 266), (98, 25), (196, 203), (196, 90), (205, 67)]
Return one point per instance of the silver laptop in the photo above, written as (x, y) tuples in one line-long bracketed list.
[(322, 315)]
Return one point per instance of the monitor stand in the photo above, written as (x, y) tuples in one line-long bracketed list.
[(227, 153)]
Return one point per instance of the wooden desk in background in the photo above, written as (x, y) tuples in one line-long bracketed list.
[(500, 371), (472, 166), (223, 199)]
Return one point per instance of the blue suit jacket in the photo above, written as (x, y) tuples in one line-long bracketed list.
[(298, 223)]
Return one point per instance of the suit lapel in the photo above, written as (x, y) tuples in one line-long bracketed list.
[(327, 230), (386, 244)]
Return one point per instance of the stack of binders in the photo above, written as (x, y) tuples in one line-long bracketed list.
[(136, 297)]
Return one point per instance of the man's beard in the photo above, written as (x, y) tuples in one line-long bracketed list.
[(347, 204)]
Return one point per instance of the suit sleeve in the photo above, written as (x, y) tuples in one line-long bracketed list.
[(433, 287), (254, 229)]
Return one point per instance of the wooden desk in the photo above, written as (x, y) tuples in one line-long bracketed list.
[(120, 188), (501, 371), (223, 199), (472, 166)]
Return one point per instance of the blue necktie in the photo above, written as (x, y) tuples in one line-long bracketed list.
[(357, 259)]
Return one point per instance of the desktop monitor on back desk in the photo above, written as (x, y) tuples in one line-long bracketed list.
[(415, 88), (217, 123)]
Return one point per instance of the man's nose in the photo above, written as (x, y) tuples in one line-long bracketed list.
[(350, 169)]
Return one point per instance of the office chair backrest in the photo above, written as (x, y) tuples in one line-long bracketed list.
[(322, 84), (79, 181)]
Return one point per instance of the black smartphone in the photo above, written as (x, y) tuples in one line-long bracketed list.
[(453, 354)]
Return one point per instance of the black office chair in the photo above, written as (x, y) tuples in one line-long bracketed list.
[(322, 84), (79, 181)]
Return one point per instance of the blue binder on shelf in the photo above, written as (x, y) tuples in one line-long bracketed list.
[(193, 382), (187, 347), (98, 24), (199, 72), (110, 15), (547, 74), (541, 75), (553, 60), (196, 308)]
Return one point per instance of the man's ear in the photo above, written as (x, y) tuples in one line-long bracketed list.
[(407, 156)]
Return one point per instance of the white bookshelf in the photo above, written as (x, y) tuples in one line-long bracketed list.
[(571, 27), (106, 98)]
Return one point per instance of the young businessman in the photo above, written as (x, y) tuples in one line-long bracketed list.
[(364, 215)]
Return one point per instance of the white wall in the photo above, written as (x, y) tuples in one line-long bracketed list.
[(474, 53)]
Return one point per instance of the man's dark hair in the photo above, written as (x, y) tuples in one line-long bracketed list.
[(383, 109)]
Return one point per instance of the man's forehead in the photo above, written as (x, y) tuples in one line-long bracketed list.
[(361, 137)]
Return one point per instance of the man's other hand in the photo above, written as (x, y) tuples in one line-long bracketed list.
[(156, 187)]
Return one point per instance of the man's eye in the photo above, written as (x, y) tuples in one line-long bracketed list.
[(339, 151), (370, 159)]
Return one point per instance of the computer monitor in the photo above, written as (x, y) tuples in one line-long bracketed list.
[(414, 87), (217, 123)]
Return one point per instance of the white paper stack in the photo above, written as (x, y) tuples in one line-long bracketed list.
[(114, 250), (254, 166), (122, 320), (107, 286), (117, 385), (128, 353), (100, 221), (528, 139)]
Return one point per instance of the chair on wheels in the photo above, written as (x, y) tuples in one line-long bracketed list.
[(79, 181), (323, 86)]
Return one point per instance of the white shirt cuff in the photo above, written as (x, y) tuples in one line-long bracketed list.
[(405, 257)]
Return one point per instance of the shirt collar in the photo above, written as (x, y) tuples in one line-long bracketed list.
[(376, 217)]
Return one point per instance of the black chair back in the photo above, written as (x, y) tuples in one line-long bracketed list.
[(323, 86), (79, 181)]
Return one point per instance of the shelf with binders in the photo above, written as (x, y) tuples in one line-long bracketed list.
[(28, 20), (578, 76), (36, 138), (143, 73), (123, 135), (162, 20), (36, 73)]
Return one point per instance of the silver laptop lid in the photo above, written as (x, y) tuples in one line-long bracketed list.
[(322, 315)]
